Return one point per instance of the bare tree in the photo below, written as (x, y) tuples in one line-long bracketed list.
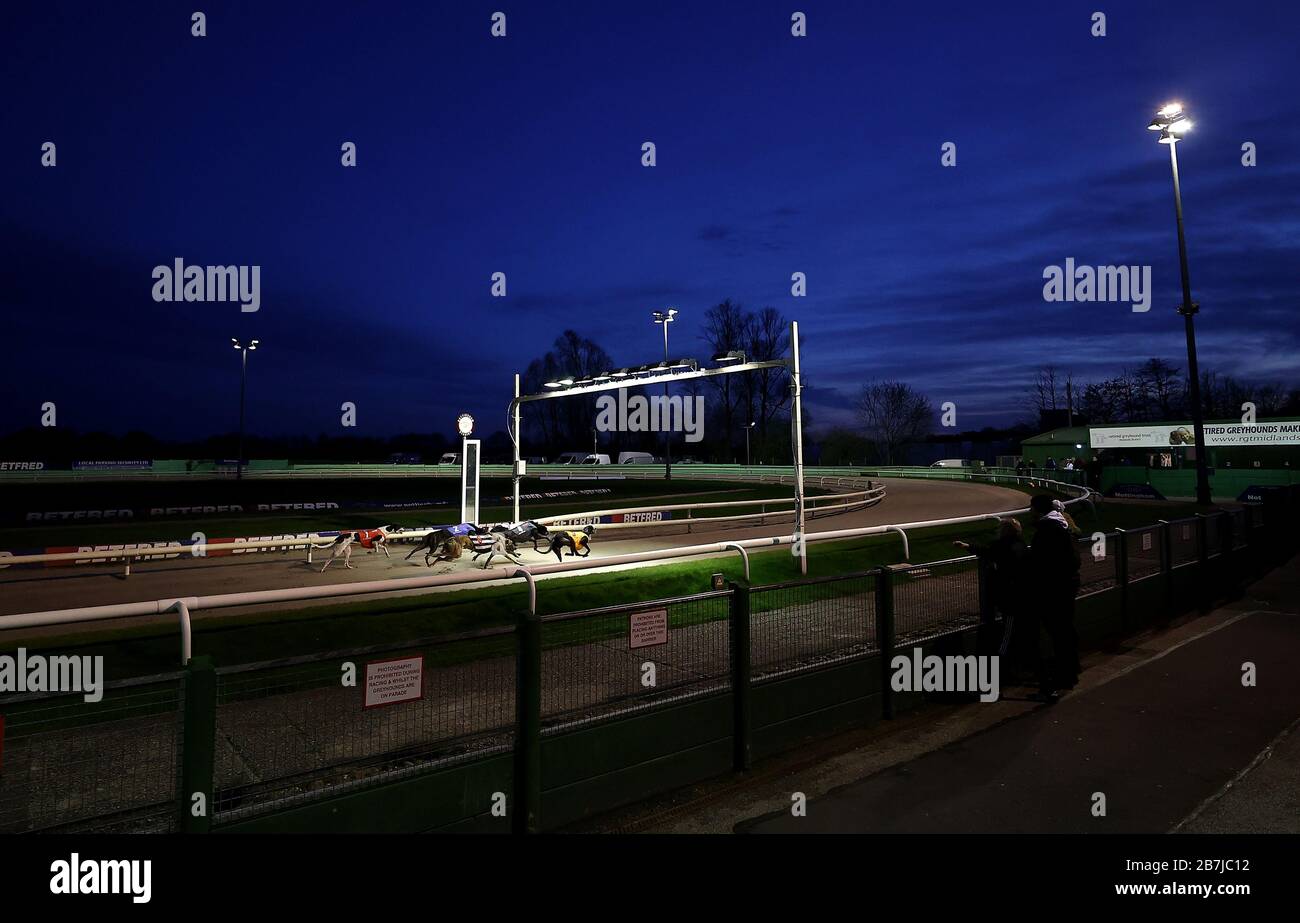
[(893, 415), (724, 331)]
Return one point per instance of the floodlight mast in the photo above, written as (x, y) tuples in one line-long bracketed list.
[(514, 408), (796, 420)]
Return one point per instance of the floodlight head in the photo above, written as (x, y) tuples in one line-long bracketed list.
[(1170, 110), (664, 317), (620, 373), (685, 364), (1181, 126), (736, 355), (235, 343), (253, 344)]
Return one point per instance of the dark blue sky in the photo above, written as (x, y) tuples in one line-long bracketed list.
[(522, 155)]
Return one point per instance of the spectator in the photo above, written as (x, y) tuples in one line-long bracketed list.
[(1051, 463), (1054, 562), (1004, 562)]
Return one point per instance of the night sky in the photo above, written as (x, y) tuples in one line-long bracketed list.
[(523, 155)]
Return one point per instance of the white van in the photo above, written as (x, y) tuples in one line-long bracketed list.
[(596, 460), (957, 463), (635, 458)]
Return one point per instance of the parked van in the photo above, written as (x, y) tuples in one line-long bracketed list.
[(957, 463), (596, 460), (635, 458), (449, 458)]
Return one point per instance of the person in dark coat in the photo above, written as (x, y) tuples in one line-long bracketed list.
[(1054, 563), (1004, 561)]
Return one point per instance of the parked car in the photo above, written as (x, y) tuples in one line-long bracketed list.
[(571, 458), (957, 463), (601, 459), (635, 458), (449, 458)]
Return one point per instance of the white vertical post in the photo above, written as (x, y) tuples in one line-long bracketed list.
[(518, 436), (797, 387)]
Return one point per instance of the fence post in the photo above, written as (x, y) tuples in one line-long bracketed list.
[(1203, 564), (1121, 576), (198, 746), (741, 678), (528, 724), (1167, 565), (885, 636)]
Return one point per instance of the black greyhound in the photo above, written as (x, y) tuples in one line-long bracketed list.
[(526, 531), (574, 541)]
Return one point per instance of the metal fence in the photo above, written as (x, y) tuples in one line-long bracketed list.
[(289, 730), (293, 731), (1097, 563), (607, 662), (68, 765), (810, 623)]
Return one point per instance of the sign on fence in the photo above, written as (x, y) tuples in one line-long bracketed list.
[(647, 629), (391, 681), (1146, 541)]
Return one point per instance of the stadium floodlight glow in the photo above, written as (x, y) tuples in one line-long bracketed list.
[(664, 317), (1171, 123), (736, 355)]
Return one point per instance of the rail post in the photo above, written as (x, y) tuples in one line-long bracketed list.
[(528, 723), (1203, 563), (198, 746), (1166, 566), (1121, 576), (742, 726), (885, 636)]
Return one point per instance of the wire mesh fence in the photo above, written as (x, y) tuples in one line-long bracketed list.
[(1143, 553), (69, 765), (1182, 542), (795, 626), (1240, 525), (935, 599), (292, 730), (1214, 535), (1097, 563), (601, 663)]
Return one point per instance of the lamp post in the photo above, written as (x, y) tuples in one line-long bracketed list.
[(243, 387), (1172, 123), (664, 318), (747, 429)]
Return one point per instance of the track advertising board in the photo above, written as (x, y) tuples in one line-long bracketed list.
[(1163, 435)]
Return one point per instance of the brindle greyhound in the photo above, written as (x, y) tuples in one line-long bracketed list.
[(444, 544)]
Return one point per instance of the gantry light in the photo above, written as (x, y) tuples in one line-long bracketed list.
[(1171, 123), (736, 355)]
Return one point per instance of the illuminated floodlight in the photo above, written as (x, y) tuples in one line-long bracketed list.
[(736, 355)]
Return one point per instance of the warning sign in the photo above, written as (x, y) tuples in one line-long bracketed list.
[(647, 629), (1146, 541), (391, 681)]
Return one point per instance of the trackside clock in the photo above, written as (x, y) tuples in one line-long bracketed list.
[(464, 424)]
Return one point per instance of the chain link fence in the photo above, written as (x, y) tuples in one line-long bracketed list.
[(1182, 542), (68, 765), (289, 730), (931, 600), (604, 662), (1143, 553), (1097, 563), (811, 623)]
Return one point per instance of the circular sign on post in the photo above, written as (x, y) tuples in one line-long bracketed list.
[(464, 424)]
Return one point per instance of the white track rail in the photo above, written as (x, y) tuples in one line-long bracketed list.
[(185, 606)]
